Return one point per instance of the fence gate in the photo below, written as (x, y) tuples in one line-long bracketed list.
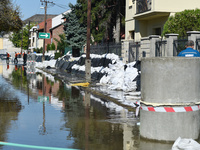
[(179, 45), (198, 44), (133, 52), (161, 47)]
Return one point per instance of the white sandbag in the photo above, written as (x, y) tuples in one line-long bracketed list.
[(185, 144)]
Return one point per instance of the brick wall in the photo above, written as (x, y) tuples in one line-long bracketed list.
[(56, 32), (48, 26)]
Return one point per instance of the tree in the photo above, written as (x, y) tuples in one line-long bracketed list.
[(106, 15), (61, 44), (9, 17), (181, 22), (48, 47), (16, 37), (75, 32), (53, 47)]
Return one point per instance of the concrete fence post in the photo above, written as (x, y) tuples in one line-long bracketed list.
[(153, 39), (193, 35), (170, 98), (125, 51), (145, 47), (170, 44)]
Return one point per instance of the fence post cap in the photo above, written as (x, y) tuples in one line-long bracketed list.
[(193, 32), (171, 34), (154, 36)]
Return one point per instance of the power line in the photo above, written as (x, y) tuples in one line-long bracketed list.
[(62, 6)]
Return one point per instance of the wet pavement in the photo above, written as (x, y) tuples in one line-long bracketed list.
[(39, 109)]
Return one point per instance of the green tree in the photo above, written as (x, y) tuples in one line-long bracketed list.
[(9, 17), (48, 47), (181, 22), (16, 37), (105, 16), (75, 32), (61, 44), (53, 47)]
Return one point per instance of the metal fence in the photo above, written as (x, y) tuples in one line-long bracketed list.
[(178, 46), (198, 44), (161, 47), (106, 48), (133, 52)]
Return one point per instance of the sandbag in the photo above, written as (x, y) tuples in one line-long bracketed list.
[(185, 144)]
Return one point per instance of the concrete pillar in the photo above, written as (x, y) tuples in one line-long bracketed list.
[(125, 51), (169, 95), (153, 39), (193, 35), (170, 44), (145, 47)]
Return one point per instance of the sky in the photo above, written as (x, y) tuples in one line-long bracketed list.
[(29, 8)]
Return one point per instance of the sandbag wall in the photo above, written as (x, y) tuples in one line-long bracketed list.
[(98, 66), (66, 64)]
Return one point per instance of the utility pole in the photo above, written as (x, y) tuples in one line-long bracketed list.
[(45, 17), (28, 36), (88, 60), (22, 41)]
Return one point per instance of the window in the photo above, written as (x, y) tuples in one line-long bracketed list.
[(132, 34), (157, 31)]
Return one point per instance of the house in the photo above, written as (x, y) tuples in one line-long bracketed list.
[(57, 27), (54, 26), (35, 42), (147, 17)]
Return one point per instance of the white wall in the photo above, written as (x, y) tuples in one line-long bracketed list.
[(58, 19)]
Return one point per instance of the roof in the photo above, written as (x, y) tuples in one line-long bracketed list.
[(37, 18)]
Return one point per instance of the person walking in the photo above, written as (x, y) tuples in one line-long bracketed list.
[(189, 51), (16, 60), (7, 58), (24, 58)]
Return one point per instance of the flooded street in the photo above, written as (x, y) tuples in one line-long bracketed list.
[(43, 111)]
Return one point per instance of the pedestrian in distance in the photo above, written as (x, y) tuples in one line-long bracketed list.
[(24, 58), (7, 58), (189, 51), (16, 60)]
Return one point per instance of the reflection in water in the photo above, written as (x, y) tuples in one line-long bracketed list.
[(9, 109), (84, 121)]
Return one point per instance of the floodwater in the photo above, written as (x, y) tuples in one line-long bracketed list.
[(39, 110)]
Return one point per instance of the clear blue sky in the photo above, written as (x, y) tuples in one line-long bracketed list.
[(29, 8)]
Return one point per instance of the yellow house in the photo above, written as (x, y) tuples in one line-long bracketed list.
[(147, 17)]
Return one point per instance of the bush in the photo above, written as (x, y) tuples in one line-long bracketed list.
[(187, 20), (53, 47), (38, 50), (57, 55), (48, 47)]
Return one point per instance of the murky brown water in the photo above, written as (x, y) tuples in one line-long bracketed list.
[(40, 110)]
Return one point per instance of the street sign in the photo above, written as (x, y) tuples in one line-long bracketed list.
[(43, 35), (43, 98)]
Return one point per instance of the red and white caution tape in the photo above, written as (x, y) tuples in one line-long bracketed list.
[(171, 109)]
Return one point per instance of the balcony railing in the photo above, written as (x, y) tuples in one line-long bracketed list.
[(143, 6)]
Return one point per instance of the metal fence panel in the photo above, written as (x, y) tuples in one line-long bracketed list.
[(106, 48), (179, 45), (161, 47), (133, 52), (198, 44)]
